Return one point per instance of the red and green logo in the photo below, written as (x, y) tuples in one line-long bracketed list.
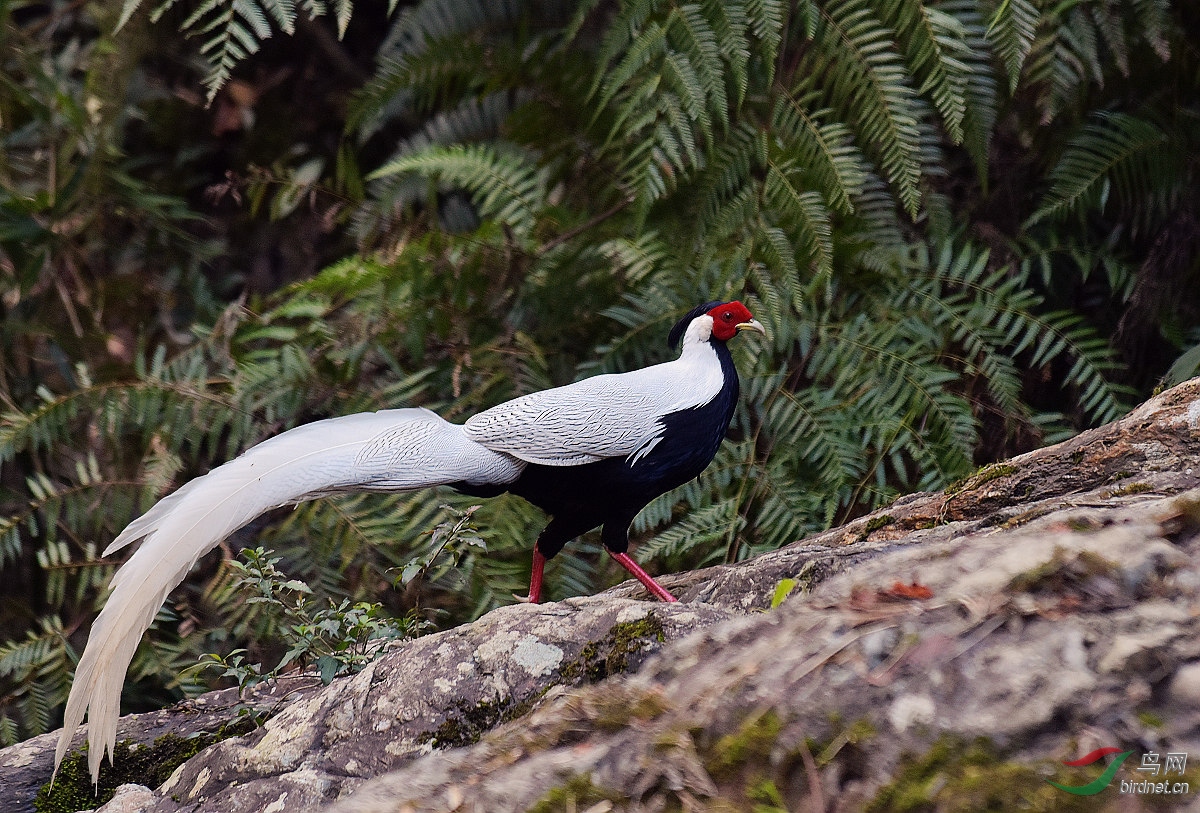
[(1103, 780)]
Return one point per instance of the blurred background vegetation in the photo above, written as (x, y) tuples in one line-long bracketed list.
[(969, 226)]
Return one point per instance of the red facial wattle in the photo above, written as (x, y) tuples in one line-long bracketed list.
[(729, 318)]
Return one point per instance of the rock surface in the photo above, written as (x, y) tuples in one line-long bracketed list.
[(946, 653)]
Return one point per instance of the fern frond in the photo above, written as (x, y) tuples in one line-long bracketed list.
[(729, 184), (343, 11), (824, 149), (635, 258), (935, 47), (1153, 18), (766, 20), (982, 88), (649, 45), (34, 673), (1011, 31), (1080, 46), (233, 30), (506, 185), (442, 20), (699, 529), (689, 28), (853, 62), (806, 214), (1114, 149), (1067, 334), (1077, 59), (729, 24), (1183, 368)]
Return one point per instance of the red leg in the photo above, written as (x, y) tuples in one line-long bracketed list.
[(642, 576), (535, 578)]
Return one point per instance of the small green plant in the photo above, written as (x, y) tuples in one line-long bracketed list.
[(339, 638), (455, 537)]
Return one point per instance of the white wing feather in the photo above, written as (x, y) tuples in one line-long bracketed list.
[(392, 450), (605, 416)]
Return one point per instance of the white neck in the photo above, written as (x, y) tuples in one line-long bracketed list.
[(697, 335)]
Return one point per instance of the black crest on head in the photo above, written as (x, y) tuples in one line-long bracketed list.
[(676, 334)]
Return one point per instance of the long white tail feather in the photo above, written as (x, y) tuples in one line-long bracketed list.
[(391, 450)]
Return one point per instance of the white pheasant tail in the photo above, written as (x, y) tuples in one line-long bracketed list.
[(391, 450)]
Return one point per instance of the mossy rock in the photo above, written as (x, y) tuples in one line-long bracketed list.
[(957, 776), (751, 744), (473, 721), (133, 763), (596, 661), (577, 793), (990, 472), (612, 654)]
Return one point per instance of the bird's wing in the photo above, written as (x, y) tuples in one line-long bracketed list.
[(605, 416)]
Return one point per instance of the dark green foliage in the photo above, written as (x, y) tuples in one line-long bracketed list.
[(548, 186), (230, 32)]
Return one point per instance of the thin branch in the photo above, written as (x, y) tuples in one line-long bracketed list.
[(578, 230)]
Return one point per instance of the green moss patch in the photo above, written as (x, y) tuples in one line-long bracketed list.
[(611, 654), (1129, 489), (812, 573), (980, 478), (1063, 572), (874, 524), (148, 765), (766, 798), (857, 732), (473, 721), (1026, 517), (750, 745), (954, 775), (577, 793)]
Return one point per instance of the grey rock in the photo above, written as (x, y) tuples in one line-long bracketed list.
[(956, 646)]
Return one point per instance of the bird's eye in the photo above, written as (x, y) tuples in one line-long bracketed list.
[(727, 316)]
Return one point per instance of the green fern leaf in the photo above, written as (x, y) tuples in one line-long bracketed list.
[(854, 63), (824, 149), (507, 186), (936, 52), (806, 213), (1110, 148), (1011, 30)]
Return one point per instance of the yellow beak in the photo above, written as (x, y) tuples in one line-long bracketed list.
[(753, 324)]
